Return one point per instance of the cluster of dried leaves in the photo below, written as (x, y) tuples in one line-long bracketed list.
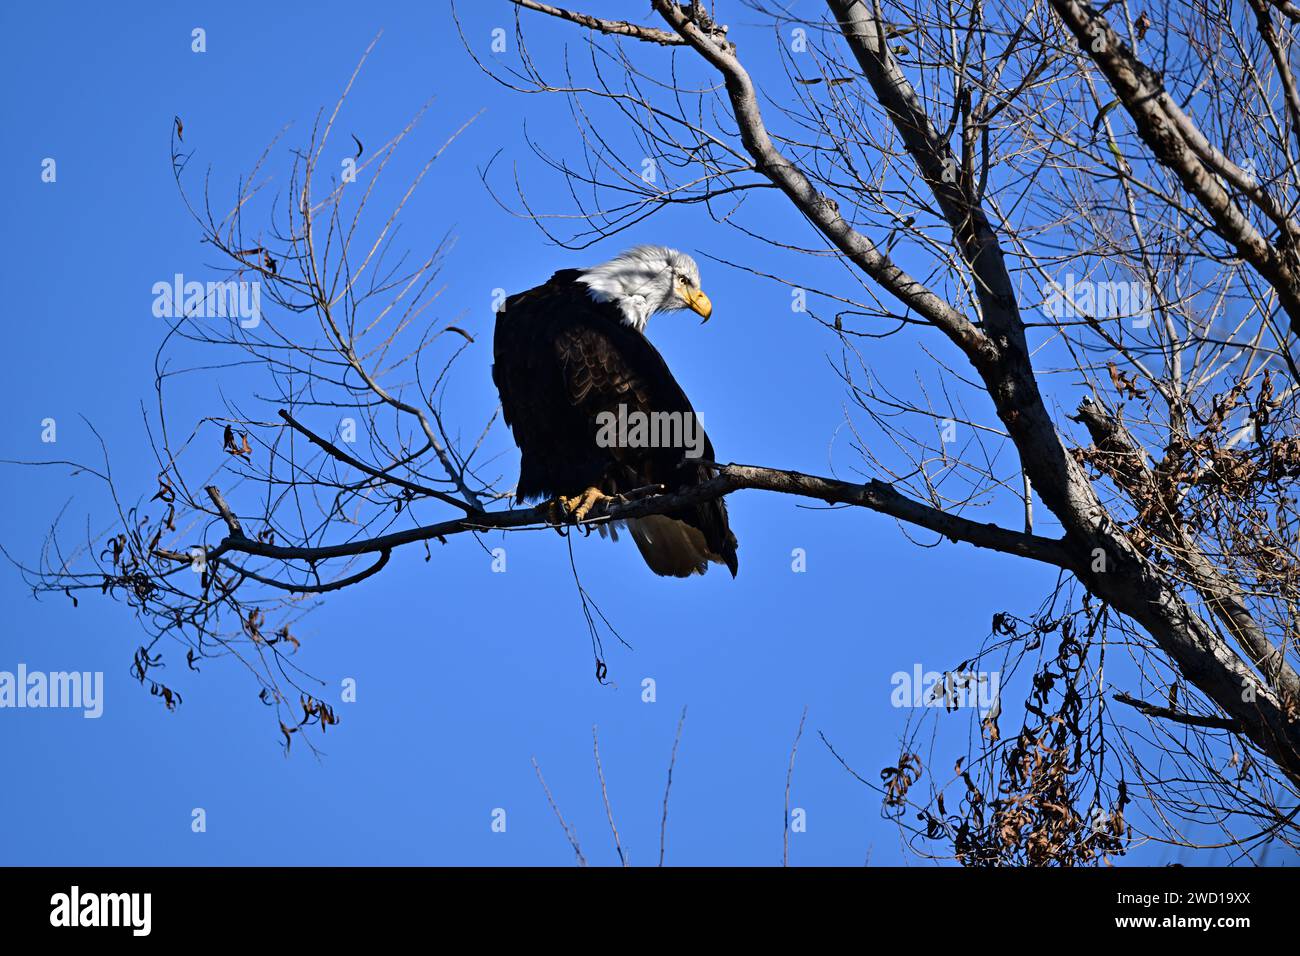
[(1039, 797)]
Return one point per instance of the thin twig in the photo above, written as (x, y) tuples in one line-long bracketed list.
[(672, 762), (604, 793), (789, 773), (569, 832)]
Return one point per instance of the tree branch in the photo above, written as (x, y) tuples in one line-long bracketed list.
[(612, 27), (338, 453), (232, 521), (1126, 464), (874, 496), (1178, 143), (820, 210), (323, 588), (1167, 713), (867, 38)]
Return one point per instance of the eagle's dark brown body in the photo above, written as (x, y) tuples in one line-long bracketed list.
[(561, 359)]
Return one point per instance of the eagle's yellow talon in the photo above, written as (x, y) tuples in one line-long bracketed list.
[(590, 498), (576, 508), (556, 511)]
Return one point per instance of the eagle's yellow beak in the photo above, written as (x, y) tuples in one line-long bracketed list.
[(699, 303)]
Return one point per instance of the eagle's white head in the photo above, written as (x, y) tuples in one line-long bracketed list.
[(648, 279)]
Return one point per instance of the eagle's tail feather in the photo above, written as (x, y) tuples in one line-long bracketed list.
[(671, 547)]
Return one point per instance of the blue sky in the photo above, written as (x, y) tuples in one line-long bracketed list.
[(463, 675)]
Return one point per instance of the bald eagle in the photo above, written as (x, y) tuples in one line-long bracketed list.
[(595, 410)]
